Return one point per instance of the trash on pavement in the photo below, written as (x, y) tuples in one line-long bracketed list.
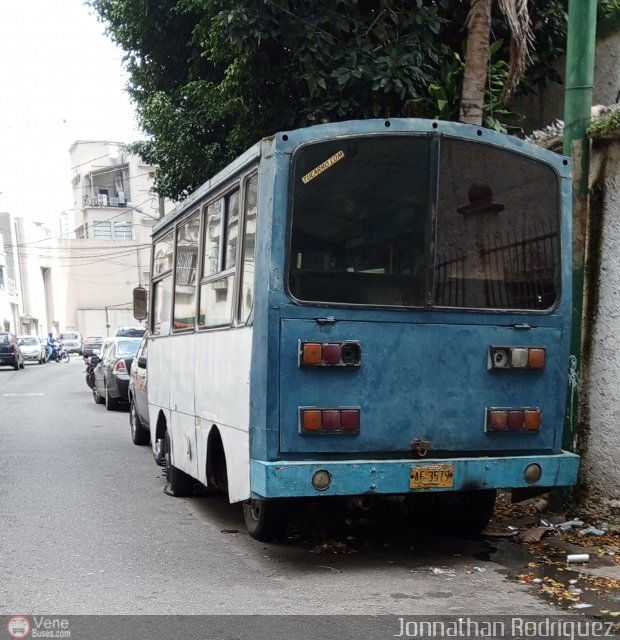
[(578, 557), (569, 525), (534, 534), (592, 531)]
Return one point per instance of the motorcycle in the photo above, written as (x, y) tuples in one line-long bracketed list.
[(90, 363), (59, 354)]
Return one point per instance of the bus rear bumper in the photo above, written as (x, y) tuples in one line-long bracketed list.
[(289, 479)]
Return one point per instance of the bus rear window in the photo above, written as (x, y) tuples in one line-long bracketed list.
[(360, 211), (363, 210), (497, 229)]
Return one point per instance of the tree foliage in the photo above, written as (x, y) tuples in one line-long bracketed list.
[(211, 77)]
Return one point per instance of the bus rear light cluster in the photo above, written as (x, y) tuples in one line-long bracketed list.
[(528, 358), (511, 420), (313, 420), (330, 354)]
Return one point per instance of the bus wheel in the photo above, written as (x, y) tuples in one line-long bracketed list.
[(180, 485), (159, 452), (265, 519), (452, 513)]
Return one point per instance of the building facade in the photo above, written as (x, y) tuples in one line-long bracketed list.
[(108, 253)]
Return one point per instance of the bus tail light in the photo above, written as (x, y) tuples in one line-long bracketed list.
[(330, 354), (521, 358), (513, 419), (314, 420)]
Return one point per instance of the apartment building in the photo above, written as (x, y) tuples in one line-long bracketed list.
[(107, 253), (31, 292), (7, 310)]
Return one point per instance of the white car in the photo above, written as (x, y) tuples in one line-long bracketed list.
[(32, 348), (71, 342)]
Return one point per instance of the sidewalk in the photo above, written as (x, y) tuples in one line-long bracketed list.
[(568, 562)]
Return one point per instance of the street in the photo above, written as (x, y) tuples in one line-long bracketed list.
[(87, 529)]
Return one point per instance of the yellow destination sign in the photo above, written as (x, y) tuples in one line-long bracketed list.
[(323, 167)]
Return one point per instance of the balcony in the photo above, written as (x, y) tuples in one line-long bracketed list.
[(119, 199)]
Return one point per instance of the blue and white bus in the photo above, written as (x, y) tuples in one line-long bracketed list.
[(367, 308)]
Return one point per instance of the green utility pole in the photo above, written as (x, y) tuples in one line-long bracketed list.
[(580, 51)]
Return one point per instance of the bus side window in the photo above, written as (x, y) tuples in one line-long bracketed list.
[(220, 250), (246, 277), (162, 299), (162, 285), (188, 235)]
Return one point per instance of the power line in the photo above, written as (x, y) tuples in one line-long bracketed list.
[(60, 236)]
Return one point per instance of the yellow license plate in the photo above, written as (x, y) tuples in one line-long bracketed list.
[(430, 476)]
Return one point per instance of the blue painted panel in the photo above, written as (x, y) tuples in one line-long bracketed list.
[(389, 477), (420, 381)]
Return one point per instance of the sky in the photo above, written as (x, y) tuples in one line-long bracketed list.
[(61, 80)]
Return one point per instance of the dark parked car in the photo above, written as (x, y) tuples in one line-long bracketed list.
[(138, 397), (112, 372), (90, 344), (129, 332), (10, 352)]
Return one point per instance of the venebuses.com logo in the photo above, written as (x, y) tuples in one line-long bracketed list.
[(18, 627)]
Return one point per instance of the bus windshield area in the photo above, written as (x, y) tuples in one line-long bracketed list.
[(399, 221)]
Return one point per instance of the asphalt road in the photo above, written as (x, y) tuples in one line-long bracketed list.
[(86, 528)]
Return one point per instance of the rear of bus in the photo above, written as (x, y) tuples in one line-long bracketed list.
[(419, 325)]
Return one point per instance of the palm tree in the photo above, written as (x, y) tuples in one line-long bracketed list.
[(477, 54)]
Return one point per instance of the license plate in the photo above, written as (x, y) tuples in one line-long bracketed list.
[(430, 476)]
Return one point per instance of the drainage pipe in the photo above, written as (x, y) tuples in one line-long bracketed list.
[(580, 49)]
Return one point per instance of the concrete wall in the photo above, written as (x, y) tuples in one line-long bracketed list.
[(600, 385), (542, 109)]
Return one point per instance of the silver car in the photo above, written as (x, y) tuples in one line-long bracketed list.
[(32, 348), (71, 342)]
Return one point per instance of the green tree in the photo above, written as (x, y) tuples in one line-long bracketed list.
[(210, 77)]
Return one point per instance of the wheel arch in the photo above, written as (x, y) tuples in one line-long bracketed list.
[(161, 426), (216, 470)]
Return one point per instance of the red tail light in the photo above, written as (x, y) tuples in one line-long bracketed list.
[(512, 419), (120, 369), (330, 354), (313, 420)]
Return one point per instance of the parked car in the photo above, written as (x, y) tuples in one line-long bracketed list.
[(71, 342), (90, 344), (10, 351), (32, 348), (138, 396), (129, 332), (112, 372)]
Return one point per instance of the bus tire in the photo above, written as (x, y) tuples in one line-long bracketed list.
[(265, 519), (180, 485), (461, 513), (139, 435), (159, 452)]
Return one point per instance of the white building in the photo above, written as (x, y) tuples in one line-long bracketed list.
[(108, 254)]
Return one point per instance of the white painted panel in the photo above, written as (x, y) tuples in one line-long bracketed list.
[(202, 380), (223, 377)]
